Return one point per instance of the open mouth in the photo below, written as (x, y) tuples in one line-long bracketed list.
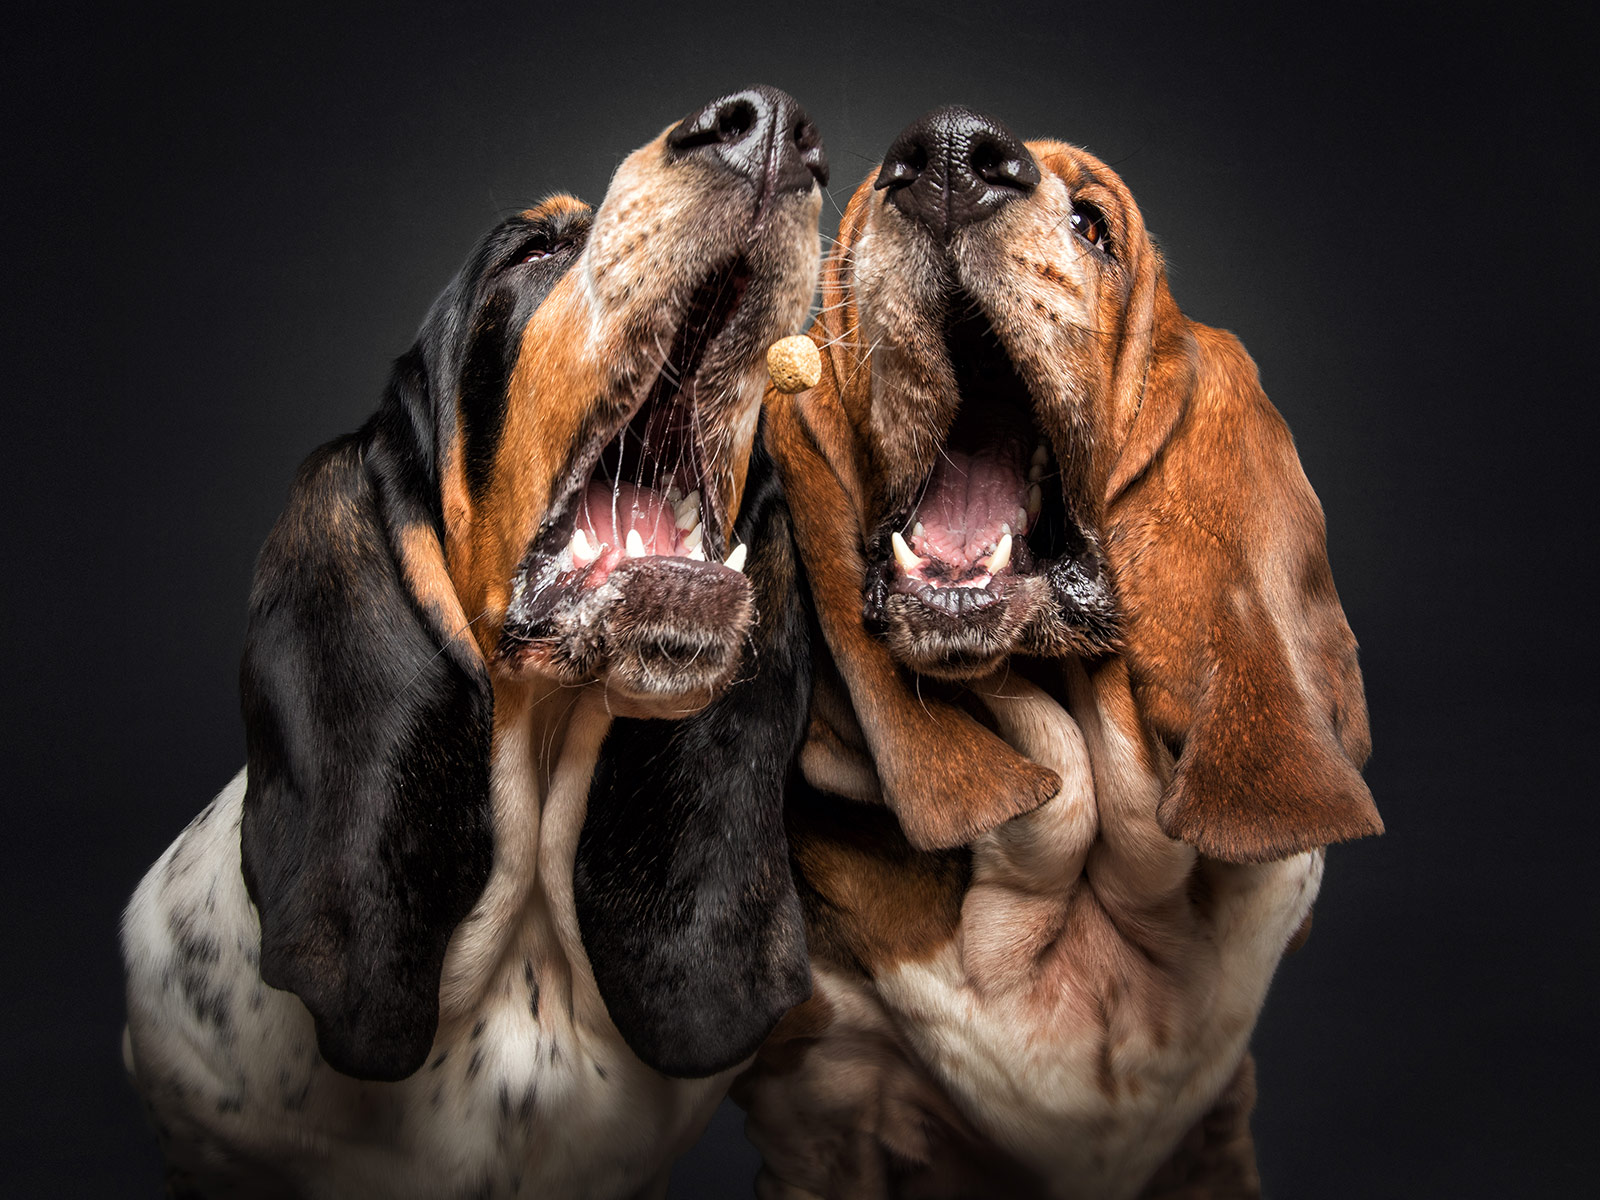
[(647, 495), (990, 514), (649, 490)]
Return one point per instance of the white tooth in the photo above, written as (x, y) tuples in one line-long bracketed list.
[(1035, 500), (902, 553), (634, 547), (687, 510), (698, 554), (916, 530), (1040, 456), (1001, 558), (1022, 518), (674, 494), (580, 549), (735, 561), (1004, 528), (1035, 473), (692, 538)]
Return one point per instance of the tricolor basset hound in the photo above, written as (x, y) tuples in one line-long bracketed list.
[(501, 901), (1088, 709)]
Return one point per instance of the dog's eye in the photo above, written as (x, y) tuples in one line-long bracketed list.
[(1089, 223), (535, 249)]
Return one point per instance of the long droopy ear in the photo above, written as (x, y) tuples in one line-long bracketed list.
[(685, 901), (366, 835), (946, 777), (1239, 652)]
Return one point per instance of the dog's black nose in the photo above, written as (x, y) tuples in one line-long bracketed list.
[(760, 134), (954, 167)]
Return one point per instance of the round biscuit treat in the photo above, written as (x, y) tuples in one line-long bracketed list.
[(794, 364)]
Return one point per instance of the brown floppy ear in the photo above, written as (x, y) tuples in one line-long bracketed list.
[(946, 777), (1240, 655), (367, 833)]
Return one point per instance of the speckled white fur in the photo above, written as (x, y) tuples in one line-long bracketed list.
[(529, 1089)]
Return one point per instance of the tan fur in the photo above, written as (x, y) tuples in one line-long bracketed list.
[(1139, 832)]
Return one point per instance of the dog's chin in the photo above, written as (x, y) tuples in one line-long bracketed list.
[(965, 645), (1027, 618), (664, 636)]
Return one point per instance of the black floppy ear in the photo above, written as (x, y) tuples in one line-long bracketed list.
[(366, 835), (685, 901)]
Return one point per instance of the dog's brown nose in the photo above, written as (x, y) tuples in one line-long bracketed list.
[(954, 167), (760, 134)]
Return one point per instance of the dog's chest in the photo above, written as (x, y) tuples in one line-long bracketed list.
[(1097, 989), (1092, 1061), (528, 1101), (527, 1093)]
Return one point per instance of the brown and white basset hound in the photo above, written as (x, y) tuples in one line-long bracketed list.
[(500, 901), (1087, 712)]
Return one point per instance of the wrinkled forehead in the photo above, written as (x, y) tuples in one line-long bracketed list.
[(1082, 173)]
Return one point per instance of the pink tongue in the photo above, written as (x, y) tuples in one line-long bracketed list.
[(968, 497), (609, 510)]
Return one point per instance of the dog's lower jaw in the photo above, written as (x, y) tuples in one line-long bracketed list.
[(1066, 609), (663, 636)]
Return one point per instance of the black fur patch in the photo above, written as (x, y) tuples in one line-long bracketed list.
[(367, 832), (512, 291), (491, 356)]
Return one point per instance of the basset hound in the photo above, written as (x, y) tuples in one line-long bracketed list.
[(501, 901), (1086, 706)]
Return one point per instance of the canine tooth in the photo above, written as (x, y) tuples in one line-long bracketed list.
[(692, 538), (580, 549), (902, 553), (916, 530), (1005, 529), (735, 561), (1040, 455), (686, 512), (698, 554), (1035, 499), (634, 547), (1001, 558), (1035, 473)]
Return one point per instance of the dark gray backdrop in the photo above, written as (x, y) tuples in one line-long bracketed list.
[(220, 229)]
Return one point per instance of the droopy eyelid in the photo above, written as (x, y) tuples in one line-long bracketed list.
[(549, 239)]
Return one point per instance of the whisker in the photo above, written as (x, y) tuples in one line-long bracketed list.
[(433, 658)]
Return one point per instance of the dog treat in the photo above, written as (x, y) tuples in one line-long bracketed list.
[(794, 364)]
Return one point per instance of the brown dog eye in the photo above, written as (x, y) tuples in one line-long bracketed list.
[(1089, 223), (536, 250)]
